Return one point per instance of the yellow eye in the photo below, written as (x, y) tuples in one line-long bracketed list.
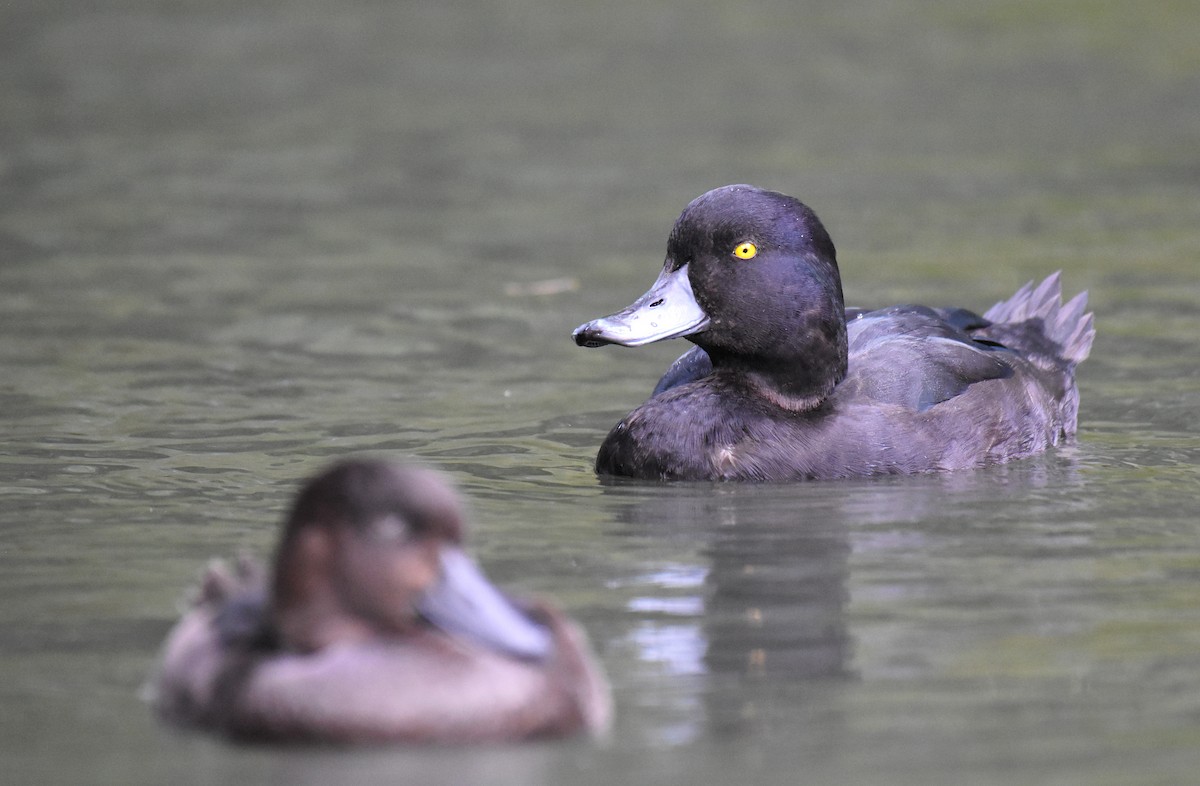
[(746, 250)]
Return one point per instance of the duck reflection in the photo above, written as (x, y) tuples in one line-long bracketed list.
[(776, 600), (763, 609), (750, 611)]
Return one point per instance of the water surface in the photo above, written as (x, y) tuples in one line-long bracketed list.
[(238, 240)]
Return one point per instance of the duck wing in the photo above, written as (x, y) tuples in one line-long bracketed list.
[(688, 367), (916, 357)]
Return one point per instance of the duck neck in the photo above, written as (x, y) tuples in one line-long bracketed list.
[(798, 380), (306, 608)]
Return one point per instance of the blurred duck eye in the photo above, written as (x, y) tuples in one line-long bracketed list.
[(745, 250), (389, 529)]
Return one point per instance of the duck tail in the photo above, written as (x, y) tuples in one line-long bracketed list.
[(1065, 325)]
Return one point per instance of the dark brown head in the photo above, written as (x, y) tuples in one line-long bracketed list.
[(362, 542), (373, 549)]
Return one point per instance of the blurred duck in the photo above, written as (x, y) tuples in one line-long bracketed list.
[(375, 627), (785, 383)]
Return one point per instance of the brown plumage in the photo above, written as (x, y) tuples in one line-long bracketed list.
[(374, 628)]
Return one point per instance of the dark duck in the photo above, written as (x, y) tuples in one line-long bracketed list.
[(375, 627), (785, 383)]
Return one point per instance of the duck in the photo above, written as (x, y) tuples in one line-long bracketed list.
[(374, 626), (785, 383)]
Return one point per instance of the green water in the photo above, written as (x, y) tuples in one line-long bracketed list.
[(238, 240)]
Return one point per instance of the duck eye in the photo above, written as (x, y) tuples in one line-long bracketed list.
[(389, 529), (745, 250)]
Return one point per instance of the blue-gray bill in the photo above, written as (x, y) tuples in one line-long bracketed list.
[(465, 603), (668, 310)]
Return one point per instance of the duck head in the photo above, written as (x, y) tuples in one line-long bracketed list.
[(751, 277), (373, 549)]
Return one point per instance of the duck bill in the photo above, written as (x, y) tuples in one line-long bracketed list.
[(668, 310), (464, 603)]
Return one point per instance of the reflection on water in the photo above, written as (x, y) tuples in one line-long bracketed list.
[(763, 611), (768, 601), (240, 240), (938, 604)]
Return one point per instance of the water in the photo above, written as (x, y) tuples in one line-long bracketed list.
[(239, 240)]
